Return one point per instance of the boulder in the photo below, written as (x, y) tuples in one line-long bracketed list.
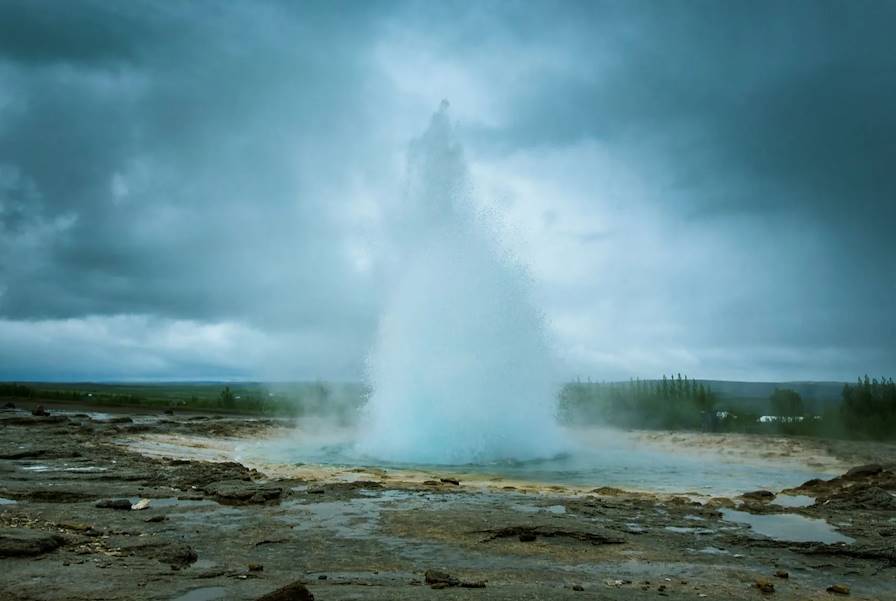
[(863, 471), (24, 542), (40, 411), (291, 592), (440, 579), (120, 504), (759, 495)]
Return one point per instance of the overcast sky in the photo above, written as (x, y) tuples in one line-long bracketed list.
[(198, 189)]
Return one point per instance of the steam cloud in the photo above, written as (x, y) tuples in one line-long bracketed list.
[(461, 370)]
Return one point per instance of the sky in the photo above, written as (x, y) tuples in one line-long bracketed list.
[(201, 190)]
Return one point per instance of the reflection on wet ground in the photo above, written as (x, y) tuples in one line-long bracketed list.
[(795, 501), (787, 527)]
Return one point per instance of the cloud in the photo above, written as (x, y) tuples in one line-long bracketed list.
[(703, 188)]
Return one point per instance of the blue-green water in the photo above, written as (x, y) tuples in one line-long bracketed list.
[(626, 466)]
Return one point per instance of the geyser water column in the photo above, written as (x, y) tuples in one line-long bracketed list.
[(461, 370)]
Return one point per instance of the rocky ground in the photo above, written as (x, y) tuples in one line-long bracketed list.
[(85, 516)]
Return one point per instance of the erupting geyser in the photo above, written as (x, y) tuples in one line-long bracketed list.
[(461, 371)]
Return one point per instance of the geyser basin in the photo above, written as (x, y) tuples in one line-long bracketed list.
[(598, 458)]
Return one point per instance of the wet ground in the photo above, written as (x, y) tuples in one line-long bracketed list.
[(75, 524)]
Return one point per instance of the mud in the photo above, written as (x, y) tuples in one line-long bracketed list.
[(217, 529)]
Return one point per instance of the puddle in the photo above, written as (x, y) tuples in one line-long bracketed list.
[(712, 551), (174, 502), (7, 501), (87, 469), (788, 527), (794, 501), (688, 530), (207, 593)]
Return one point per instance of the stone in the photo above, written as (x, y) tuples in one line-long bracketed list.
[(241, 492), (177, 555), (527, 537), (759, 495), (291, 592), (864, 471), (453, 481), (608, 491), (255, 567), (838, 589), (25, 542), (40, 411), (439, 579), (782, 574), (155, 519), (120, 504), (764, 586)]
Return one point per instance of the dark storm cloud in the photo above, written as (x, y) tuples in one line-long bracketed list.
[(211, 163), (184, 147)]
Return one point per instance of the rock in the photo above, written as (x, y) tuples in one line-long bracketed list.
[(169, 411), (9, 406), (76, 526), (177, 555), (838, 589), (590, 535), (431, 482), (200, 474), (123, 419), (24, 542), (861, 496), (241, 492), (155, 519), (255, 567), (578, 588), (812, 484), (317, 490), (121, 504), (322, 577), (439, 579), (527, 537), (864, 471), (453, 481), (721, 502), (782, 574), (759, 495), (141, 505), (764, 586), (291, 592), (608, 491), (40, 411)]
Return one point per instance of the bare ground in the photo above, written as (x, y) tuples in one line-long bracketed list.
[(222, 530)]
